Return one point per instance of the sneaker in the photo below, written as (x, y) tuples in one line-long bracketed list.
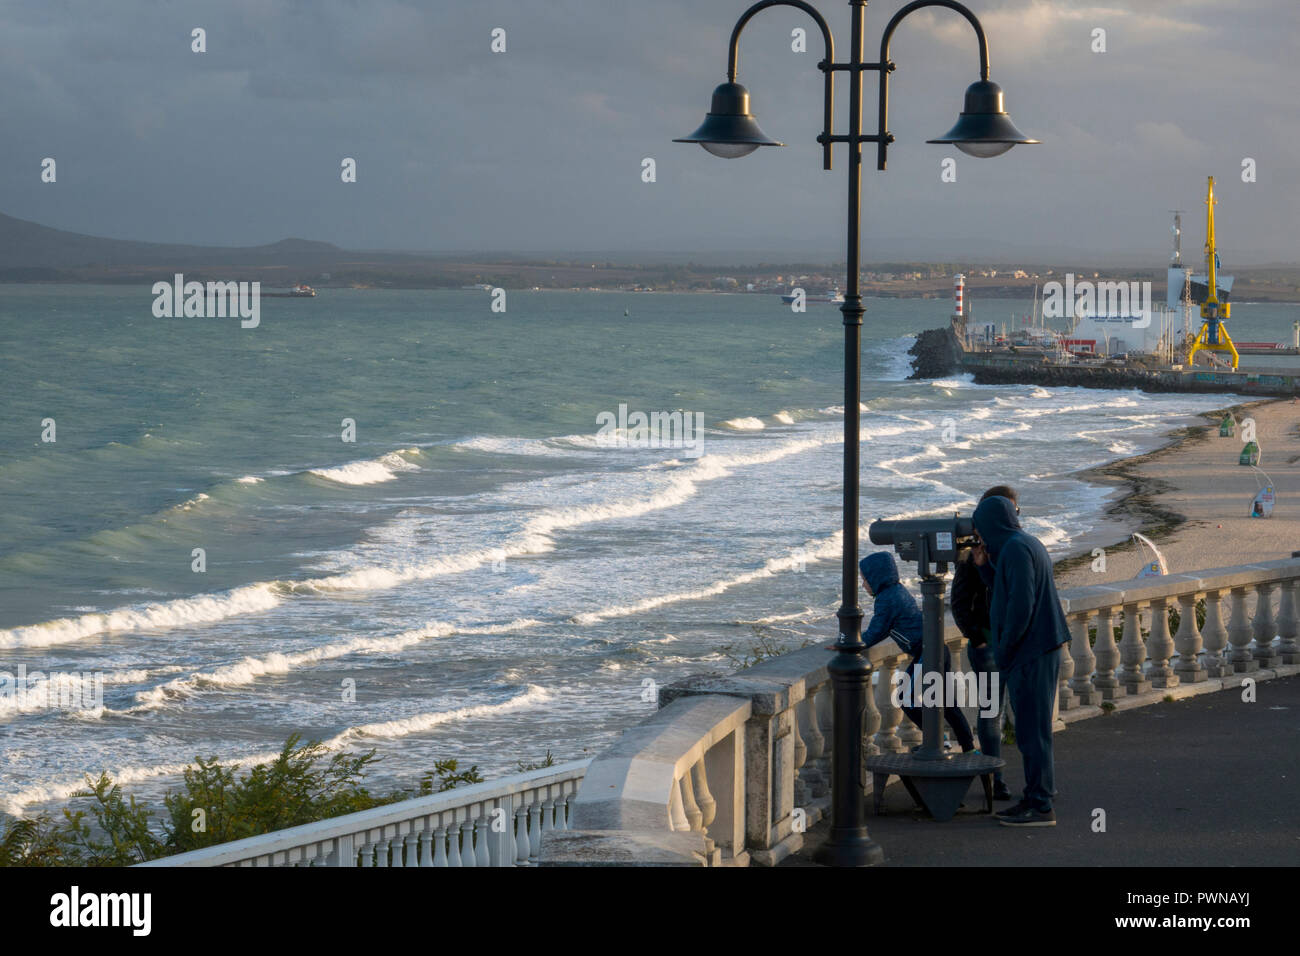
[(1029, 817), (1014, 810), (1001, 791)]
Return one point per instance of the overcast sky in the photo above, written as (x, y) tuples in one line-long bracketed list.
[(540, 147)]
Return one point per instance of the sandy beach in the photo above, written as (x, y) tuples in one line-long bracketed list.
[(1194, 499)]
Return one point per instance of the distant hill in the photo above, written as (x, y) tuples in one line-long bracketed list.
[(32, 249)]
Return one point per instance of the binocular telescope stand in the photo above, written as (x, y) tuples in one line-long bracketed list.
[(936, 780)]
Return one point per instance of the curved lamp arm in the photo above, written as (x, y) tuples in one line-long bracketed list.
[(824, 66), (887, 67)]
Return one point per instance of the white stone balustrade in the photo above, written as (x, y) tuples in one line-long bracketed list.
[(497, 823)]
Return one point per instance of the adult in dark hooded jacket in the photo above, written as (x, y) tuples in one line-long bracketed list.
[(1028, 630), (895, 614), (970, 610)]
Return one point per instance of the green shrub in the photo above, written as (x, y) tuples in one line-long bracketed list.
[(216, 804)]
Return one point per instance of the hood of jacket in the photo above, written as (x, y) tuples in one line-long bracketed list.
[(996, 521), (880, 570)]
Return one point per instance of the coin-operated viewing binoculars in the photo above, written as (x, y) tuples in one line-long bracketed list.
[(926, 540), (936, 780)]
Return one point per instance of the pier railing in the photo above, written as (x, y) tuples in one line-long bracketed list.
[(497, 823)]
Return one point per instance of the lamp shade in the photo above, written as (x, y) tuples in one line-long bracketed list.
[(984, 129), (730, 130)]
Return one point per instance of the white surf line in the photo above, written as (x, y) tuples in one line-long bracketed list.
[(200, 609), (534, 539), (250, 669), (71, 685), (812, 551), (369, 471), (15, 803)]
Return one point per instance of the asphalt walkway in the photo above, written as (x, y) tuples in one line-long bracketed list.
[(1205, 781)]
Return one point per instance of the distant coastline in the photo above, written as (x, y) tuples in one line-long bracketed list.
[(33, 253)]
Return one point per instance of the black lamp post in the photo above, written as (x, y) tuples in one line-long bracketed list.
[(730, 130)]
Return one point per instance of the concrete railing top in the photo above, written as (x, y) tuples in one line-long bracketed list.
[(1098, 596), (629, 784)]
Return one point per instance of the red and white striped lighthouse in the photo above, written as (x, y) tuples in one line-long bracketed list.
[(958, 286)]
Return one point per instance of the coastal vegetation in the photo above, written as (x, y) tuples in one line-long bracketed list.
[(216, 804)]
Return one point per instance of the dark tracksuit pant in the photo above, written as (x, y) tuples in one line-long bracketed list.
[(1031, 690), (989, 729)]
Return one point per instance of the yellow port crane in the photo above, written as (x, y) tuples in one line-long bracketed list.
[(1213, 336)]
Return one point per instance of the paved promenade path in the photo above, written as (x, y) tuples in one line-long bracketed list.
[(1206, 781)]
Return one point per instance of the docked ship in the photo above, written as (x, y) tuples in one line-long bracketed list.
[(834, 296)]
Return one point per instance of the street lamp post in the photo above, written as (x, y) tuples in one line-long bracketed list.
[(730, 131)]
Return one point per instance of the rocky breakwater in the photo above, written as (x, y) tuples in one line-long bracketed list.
[(934, 354)]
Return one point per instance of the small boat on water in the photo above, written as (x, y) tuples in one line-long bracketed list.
[(299, 291)]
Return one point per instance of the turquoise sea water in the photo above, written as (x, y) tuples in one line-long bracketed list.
[(491, 578)]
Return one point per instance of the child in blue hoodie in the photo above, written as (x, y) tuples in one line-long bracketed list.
[(896, 615)]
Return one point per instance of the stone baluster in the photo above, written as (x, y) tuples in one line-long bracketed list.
[(440, 845), (399, 850), (1264, 651), (467, 857), (694, 817), (562, 807), (887, 740), (1108, 685), (1132, 653), (367, 854), (522, 843), (482, 856), (677, 819), (909, 735), (1214, 636), (818, 770), (497, 840), (1188, 641), (703, 798), (548, 811), (534, 827), (1161, 647), (1239, 635), (800, 749), (426, 843), (1065, 699), (812, 734), (870, 726), (453, 841), (1288, 626), (1085, 662)]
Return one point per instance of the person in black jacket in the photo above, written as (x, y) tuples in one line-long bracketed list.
[(970, 611), (1027, 630)]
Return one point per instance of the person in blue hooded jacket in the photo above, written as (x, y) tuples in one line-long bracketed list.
[(1028, 629), (895, 614)]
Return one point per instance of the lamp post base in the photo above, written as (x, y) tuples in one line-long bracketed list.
[(849, 849)]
